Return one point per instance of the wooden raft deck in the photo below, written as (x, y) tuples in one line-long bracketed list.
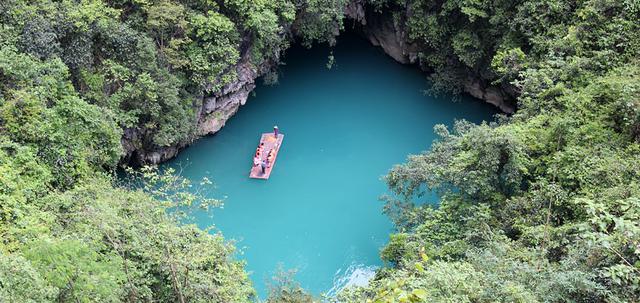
[(270, 142)]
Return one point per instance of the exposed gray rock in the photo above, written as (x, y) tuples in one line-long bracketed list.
[(212, 122), (495, 96), (491, 94), (215, 109), (212, 115), (355, 11), (383, 32), (209, 104), (162, 154), (474, 88)]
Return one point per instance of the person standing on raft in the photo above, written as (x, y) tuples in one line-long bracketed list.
[(263, 166), (275, 131)]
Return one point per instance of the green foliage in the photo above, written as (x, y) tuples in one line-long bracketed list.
[(284, 289), (161, 260), (540, 206), (20, 282), (508, 64), (80, 274), (321, 21), (499, 40), (214, 52), (266, 21), (149, 62), (97, 242), (475, 161), (73, 76), (543, 205), (164, 18), (396, 249), (465, 46), (73, 137)]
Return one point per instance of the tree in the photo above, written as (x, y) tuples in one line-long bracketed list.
[(20, 282), (284, 289), (75, 271)]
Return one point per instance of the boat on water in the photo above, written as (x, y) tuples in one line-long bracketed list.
[(266, 155)]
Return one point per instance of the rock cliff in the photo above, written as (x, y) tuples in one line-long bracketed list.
[(214, 110), (211, 115), (383, 30)]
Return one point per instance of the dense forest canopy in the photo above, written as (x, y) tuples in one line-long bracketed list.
[(543, 205)]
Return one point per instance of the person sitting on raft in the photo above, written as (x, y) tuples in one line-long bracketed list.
[(270, 157), (256, 160), (259, 149)]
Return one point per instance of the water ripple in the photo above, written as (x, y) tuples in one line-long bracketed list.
[(354, 275)]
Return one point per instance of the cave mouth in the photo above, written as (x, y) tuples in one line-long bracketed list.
[(345, 127)]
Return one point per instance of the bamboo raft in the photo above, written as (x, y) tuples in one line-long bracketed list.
[(271, 143)]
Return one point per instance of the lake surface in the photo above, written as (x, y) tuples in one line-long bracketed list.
[(344, 128)]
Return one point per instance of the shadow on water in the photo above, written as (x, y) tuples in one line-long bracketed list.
[(344, 127)]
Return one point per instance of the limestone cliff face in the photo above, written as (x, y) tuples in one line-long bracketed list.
[(214, 110), (211, 115), (383, 31), (219, 107)]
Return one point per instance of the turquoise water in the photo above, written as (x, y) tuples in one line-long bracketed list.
[(344, 128)]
